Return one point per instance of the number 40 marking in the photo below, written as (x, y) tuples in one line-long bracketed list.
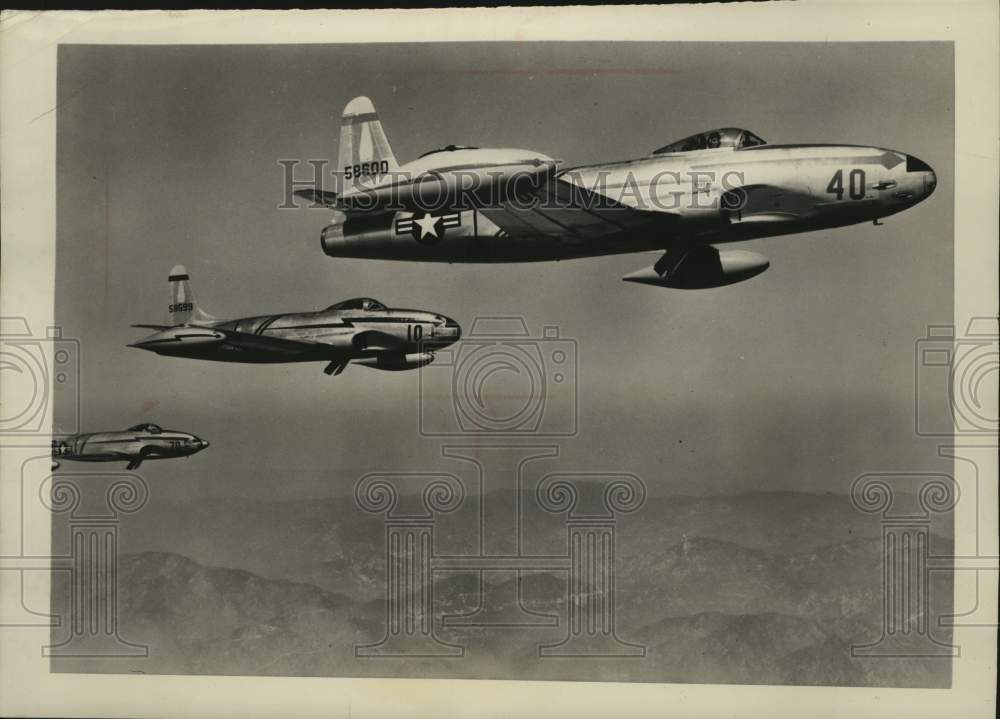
[(855, 184)]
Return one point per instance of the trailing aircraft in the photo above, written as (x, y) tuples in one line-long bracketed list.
[(134, 445), (360, 330)]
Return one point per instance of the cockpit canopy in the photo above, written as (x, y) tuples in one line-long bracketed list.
[(358, 303), (450, 148), (146, 427), (732, 138)]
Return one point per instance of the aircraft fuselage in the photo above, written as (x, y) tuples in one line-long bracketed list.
[(325, 335), (132, 446), (711, 196)]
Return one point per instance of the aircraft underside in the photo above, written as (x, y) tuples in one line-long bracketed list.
[(347, 240)]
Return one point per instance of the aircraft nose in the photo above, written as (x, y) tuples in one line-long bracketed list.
[(916, 165), (202, 443), (930, 181), (448, 332)]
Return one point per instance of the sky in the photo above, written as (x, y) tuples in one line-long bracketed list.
[(800, 379)]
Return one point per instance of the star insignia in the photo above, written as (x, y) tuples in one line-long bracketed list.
[(424, 226), (428, 229)]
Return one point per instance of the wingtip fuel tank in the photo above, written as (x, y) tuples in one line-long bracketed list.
[(705, 267)]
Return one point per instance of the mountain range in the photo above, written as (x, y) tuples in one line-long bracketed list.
[(761, 588)]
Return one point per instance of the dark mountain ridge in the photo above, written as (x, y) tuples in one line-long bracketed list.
[(333, 544)]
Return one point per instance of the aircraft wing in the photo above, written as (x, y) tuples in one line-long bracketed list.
[(318, 196), (369, 340), (569, 211), (280, 345)]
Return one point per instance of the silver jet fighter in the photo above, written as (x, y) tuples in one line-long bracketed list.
[(361, 330), (686, 198), (134, 445)]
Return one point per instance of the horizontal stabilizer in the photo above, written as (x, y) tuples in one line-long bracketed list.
[(318, 197)]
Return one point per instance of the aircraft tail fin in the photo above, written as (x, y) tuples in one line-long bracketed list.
[(183, 307), (364, 153)]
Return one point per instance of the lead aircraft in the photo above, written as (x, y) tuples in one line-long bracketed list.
[(467, 204)]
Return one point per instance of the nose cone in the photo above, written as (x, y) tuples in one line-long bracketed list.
[(447, 333), (200, 444), (923, 173)]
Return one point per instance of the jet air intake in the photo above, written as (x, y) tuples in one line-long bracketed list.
[(703, 267)]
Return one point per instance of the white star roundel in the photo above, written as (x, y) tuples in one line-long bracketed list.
[(427, 229)]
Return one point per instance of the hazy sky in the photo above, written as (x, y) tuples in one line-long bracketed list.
[(802, 378)]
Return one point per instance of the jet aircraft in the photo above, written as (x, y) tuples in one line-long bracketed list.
[(361, 330), (134, 445), (465, 204)]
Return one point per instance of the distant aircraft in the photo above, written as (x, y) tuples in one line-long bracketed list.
[(361, 330), (134, 445), (716, 187)]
